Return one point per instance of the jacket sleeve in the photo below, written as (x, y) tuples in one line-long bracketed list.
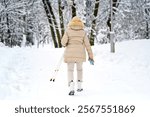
[(88, 47), (64, 39)]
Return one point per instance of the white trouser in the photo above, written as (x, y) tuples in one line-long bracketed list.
[(71, 71)]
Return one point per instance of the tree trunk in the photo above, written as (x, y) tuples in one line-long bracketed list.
[(47, 10), (55, 24), (115, 5), (110, 35), (73, 9), (147, 30), (147, 12), (92, 35), (61, 17), (7, 40)]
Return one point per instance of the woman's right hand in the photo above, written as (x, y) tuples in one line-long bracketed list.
[(91, 57)]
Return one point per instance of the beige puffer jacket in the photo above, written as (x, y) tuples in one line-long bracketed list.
[(75, 40)]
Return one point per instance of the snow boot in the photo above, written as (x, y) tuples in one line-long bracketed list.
[(79, 86), (71, 93), (71, 86)]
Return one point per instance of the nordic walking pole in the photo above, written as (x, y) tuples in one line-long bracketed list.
[(57, 69)]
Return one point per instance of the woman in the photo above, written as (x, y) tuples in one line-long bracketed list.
[(75, 40)]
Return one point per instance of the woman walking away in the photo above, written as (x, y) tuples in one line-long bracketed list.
[(75, 40)]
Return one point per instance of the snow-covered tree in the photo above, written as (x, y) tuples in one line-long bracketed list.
[(30, 22), (131, 21), (20, 20)]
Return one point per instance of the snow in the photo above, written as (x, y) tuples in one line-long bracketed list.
[(122, 77)]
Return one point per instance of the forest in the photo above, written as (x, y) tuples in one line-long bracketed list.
[(39, 22)]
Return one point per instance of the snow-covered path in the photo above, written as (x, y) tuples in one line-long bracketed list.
[(25, 73)]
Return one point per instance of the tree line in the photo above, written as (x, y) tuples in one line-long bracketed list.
[(36, 22)]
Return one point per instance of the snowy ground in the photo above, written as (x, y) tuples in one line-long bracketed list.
[(120, 78)]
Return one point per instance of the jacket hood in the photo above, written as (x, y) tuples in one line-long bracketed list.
[(76, 23)]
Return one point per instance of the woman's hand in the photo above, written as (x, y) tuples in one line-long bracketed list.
[(91, 61), (91, 57)]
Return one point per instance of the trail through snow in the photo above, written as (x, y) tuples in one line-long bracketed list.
[(25, 73)]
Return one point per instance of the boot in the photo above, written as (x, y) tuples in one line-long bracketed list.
[(79, 86), (71, 86)]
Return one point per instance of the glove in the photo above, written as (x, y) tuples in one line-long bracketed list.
[(91, 61)]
